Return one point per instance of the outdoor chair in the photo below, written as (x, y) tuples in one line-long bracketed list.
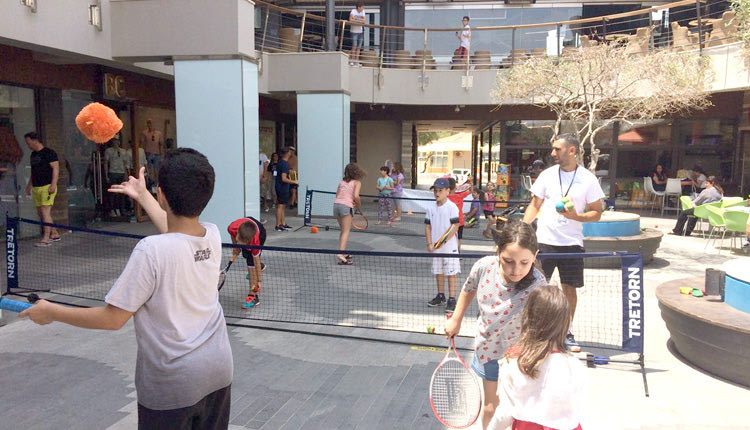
[(673, 189), (680, 38), (736, 222), (701, 212), (586, 41), (639, 42), (718, 225), (653, 195), (728, 202)]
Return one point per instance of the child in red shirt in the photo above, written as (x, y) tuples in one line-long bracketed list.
[(249, 231), (458, 200)]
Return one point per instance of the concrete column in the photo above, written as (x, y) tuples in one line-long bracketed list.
[(323, 140), (407, 160), (217, 114)]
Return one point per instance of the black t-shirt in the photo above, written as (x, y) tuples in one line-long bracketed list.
[(41, 171), (282, 187)]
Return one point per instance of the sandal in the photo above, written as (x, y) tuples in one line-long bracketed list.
[(345, 262), (54, 239), (42, 244)]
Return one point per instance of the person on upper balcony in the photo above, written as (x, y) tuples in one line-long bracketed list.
[(358, 33), (464, 37)]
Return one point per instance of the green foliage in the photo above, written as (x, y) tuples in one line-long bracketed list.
[(742, 10)]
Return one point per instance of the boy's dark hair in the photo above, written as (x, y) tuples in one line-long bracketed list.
[(352, 171), (31, 135), (386, 169), (466, 18), (452, 181), (246, 231), (284, 150), (186, 179), (359, 4)]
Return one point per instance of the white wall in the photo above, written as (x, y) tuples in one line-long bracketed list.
[(377, 141)]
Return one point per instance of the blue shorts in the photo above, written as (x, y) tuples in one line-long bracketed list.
[(358, 40), (487, 371)]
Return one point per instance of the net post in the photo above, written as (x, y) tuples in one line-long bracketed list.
[(632, 309), (11, 252), (308, 206)]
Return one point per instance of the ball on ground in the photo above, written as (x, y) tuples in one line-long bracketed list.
[(313, 229), (431, 329)]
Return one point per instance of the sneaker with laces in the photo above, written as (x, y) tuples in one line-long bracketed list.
[(287, 227), (571, 344), (279, 228), (439, 300), (248, 302), (450, 306)]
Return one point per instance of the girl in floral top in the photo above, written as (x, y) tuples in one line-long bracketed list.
[(501, 283)]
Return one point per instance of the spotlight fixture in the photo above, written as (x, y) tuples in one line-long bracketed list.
[(31, 4), (95, 15), (457, 109)]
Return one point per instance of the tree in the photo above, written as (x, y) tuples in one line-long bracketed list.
[(595, 86), (741, 9)]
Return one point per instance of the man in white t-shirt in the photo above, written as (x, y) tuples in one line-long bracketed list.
[(442, 218), (464, 37), (358, 34), (562, 231)]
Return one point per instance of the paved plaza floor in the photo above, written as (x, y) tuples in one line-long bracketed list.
[(58, 376)]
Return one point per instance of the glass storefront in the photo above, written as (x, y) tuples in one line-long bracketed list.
[(17, 117)]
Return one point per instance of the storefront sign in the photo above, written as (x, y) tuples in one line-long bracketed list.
[(114, 85)]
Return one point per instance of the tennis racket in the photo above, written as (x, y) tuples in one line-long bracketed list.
[(359, 221), (455, 394), (223, 273), (442, 239), (14, 305)]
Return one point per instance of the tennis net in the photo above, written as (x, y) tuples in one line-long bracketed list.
[(382, 290), (319, 212)]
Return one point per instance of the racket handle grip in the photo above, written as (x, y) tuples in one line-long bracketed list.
[(14, 305)]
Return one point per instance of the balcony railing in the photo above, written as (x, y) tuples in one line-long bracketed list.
[(682, 26)]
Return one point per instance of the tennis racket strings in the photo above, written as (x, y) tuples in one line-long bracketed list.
[(455, 394)]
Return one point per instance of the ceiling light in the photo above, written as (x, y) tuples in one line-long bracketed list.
[(95, 15), (31, 4)]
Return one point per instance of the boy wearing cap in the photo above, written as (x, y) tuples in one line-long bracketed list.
[(440, 218)]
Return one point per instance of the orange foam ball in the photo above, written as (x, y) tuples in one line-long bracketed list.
[(313, 229), (98, 122)]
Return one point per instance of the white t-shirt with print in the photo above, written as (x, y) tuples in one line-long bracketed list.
[(465, 34), (360, 15), (551, 185), (500, 306), (170, 283), (440, 218)]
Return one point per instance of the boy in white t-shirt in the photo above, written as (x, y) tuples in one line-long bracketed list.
[(184, 367), (441, 218), (358, 40), (561, 231), (464, 38)]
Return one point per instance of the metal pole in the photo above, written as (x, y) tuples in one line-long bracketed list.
[(558, 40), (651, 31), (700, 26), (341, 37), (382, 53), (512, 49), (330, 25), (424, 59), (265, 30), (489, 154), (302, 31)]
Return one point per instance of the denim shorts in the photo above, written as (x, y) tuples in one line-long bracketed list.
[(486, 371), (358, 40)]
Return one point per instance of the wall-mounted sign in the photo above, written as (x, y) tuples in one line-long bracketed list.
[(114, 85)]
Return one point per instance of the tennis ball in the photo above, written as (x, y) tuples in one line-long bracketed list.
[(98, 122), (431, 329), (313, 229), (565, 199), (569, 206), (560, 206)]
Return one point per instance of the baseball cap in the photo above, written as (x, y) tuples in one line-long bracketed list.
[(441, 183)]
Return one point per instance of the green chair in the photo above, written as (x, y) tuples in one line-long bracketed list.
[(701, 212), (717, 222), (686, 203), (728, 202), (736, 222)]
